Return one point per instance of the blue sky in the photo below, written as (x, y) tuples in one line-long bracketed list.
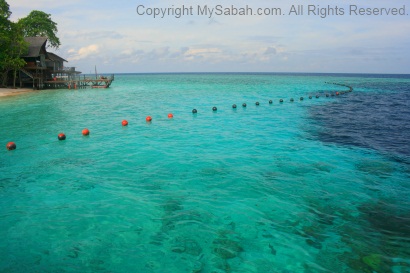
[(114, 37)]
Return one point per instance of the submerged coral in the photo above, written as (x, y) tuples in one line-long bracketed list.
[(226, 248), (386, 217)]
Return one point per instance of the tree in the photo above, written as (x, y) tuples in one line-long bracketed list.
[(4, 10), (10, 58), (17, 48), (4, 25), (5, 35), (39, 23), (12, 45)]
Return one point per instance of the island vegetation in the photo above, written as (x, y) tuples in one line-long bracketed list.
[(12, 43)]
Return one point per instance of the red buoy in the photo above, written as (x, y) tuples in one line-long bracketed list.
[(170, 115), (61, 136), (148, 118), (86, 132), (124, 123), (11, 146), (337, 93)]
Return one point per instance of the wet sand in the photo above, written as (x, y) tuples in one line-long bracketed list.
[(5, 92)]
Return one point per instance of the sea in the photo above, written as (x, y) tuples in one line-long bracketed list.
[(320, 183)]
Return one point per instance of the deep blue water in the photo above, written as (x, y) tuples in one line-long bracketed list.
[(377, 120), (319, 185)]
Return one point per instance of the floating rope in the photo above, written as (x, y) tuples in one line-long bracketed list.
[(12, 146)]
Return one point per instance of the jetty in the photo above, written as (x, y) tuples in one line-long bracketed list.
[(45, 69), (79, 82)]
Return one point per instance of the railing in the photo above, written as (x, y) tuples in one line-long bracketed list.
[(78, 78), (92, 78), (71, 69)]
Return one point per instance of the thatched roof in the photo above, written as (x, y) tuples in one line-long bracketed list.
[(55, 57), (35, 45)]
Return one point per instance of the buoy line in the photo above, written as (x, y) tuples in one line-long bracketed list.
[(10, 146)]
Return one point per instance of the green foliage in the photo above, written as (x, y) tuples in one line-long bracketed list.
[(10, 58), (16, 47), (12, 44), (4, 22), (39, 23), (4, 10)]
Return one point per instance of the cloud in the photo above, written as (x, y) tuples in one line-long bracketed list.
[(132, 55), (212, 21), (21, 8), (158, 53), (180, 53), (184, 49), (202, 51), (263, 38), (112, 33), (94, 35), (270, 51), (39, 4), (84, 52), (166, 54)]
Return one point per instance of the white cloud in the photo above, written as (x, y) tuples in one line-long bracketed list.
[(83, 52), (202, 51), (112, 33), (41, 4), (270, 51)]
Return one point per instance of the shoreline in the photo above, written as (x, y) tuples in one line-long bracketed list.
[(7, 92)]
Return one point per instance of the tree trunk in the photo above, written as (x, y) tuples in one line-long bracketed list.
[(4, 78), (14, 78)]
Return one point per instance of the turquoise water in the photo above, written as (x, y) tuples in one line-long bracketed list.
[(268, 188)]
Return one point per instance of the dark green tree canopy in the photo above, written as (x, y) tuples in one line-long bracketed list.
[(4, 18), (5, 31), (12, 45), (4, 10), (39, 23)]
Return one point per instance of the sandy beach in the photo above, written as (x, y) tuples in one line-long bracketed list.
[(5, 92)]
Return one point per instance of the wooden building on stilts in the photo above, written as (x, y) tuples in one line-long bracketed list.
[(46, 70)]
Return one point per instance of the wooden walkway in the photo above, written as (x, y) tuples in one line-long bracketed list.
[(80, 82)]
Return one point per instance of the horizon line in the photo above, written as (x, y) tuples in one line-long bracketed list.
[(255, 72)]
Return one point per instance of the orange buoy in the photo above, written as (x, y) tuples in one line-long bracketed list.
[(170, 115), (61, 136), (11, 146), (86, 132), (124, 123), (148, 118)]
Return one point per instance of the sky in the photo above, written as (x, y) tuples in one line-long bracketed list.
[(123, 36)]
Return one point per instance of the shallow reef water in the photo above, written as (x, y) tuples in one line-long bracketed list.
[(314, 185)]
